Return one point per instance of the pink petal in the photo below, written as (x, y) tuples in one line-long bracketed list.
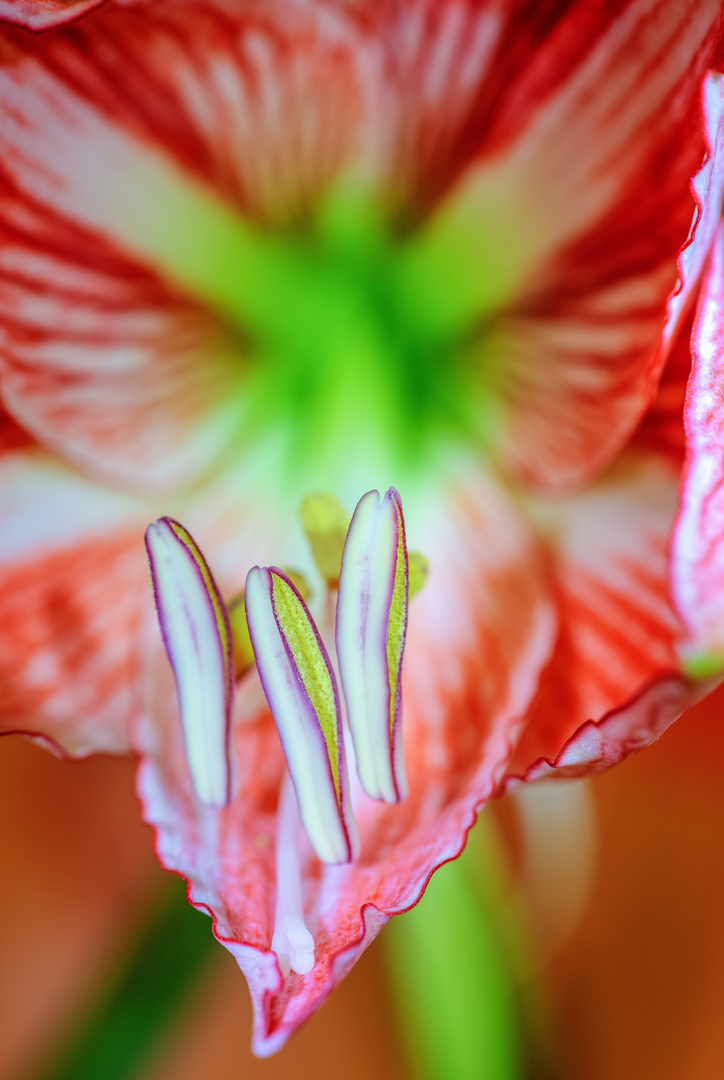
[(615, 682), (479, 633), (662, 427), (72, 582), (698, 547), (708, 186)]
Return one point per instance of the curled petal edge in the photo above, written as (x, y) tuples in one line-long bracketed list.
[(40, 15), (599, 744)]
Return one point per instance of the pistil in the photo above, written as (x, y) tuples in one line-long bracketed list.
[(291, 941)]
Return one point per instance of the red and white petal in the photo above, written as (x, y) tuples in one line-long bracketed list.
[(698, 543), (147, 124), (661, 431), (237, 97), (479, 634), (708, 186), (72, 579), (615, 681), (574, 208), (130, 143), (44, 14), (101, 361)]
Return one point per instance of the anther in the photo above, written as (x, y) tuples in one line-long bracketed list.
[(301, 689), (371, 627), (325, 522), (195, 629)]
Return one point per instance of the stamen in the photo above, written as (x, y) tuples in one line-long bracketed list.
[(241, 647), (300, 583), (195, 630), (302, 693), (371, 627), (325, 521), (418, 569), (292, 941)]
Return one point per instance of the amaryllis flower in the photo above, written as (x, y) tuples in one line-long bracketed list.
[(257, 253)]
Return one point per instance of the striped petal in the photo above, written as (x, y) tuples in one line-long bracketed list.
[(562, 229), (72, 584), (44, 14), (103, 358), (302, 693), (708, 186), (371, 628), (195, 629), (615, 680), (140, 143)]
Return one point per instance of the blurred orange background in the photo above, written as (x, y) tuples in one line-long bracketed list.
[(636, 992)]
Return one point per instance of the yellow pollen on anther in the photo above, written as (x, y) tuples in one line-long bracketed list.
[(241, 648), (418, 568), (299, 582), (309, 661), (397, 619)]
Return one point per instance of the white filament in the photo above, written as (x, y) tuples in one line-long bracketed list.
[(292, 941)]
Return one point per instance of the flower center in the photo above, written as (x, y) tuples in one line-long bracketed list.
[(352, 363), (357, 342)]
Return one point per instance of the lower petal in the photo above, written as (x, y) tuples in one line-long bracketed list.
[(480, 632), (44, 14), (71, 577), (615, 681), (698, 543)]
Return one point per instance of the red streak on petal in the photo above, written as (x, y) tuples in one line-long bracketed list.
[(67, 622), (45, 14), (12, 436)]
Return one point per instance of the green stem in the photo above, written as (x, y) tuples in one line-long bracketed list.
[(151, 981), (453, 975)]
